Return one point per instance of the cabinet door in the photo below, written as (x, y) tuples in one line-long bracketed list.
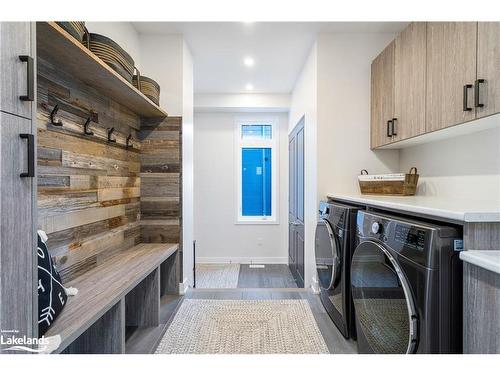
[(15, 41), (17, 241), (409, 82), (488, 69), (451, 64), (382, 96)]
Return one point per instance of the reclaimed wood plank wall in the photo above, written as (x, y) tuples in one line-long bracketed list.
[(88, 188), (161, 203)]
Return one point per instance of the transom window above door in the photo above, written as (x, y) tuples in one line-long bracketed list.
[(256, 155)]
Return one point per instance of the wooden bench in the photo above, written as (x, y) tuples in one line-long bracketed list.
[(123, 291)]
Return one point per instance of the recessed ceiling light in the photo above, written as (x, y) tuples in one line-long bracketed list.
[(249, 86), (249, 61)]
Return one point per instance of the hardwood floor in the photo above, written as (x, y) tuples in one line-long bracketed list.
[(271, 276)]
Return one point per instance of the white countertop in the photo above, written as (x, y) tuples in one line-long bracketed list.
[(457, 210), (488, 259)]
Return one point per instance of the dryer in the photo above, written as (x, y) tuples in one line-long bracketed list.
[(406, 282), (334, 243)]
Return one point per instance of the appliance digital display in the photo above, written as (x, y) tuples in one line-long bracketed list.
[(410, 237)]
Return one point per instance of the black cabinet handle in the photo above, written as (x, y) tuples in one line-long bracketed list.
[(394, 126), (389, 128), (477, 102), (31, 155), (30, 78), (466, 107)]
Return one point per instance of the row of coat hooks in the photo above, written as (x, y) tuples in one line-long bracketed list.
[(86, 126)]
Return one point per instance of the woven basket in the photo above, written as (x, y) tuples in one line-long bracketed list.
[(392, 184), (148, 87), (75, 28), (111, 53)]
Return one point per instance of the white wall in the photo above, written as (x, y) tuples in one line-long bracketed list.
[(304, 104), (187, 165), (162, 60), (218, 238), (333, 93), (344, 64), (464, 167), (122, 33)]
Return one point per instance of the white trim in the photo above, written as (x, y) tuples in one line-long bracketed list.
[(273, 143), (243, 260), (183, 287)]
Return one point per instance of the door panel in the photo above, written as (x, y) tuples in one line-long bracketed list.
[(409, 81), (300, 176), (300, 258), (451, 64), (382, 94), (17, 254), (296, 203), (15, 40), (488, 68)]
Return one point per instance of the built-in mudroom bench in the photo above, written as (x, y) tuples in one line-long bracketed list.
[(102, 179), (123, 291)]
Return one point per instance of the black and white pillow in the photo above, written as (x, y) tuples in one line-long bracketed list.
[(52, 296)]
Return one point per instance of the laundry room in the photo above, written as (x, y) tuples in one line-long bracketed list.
[(250, 186)]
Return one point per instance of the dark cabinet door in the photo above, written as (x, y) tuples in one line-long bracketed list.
[(17, 243), (16, 68), (296, 203)]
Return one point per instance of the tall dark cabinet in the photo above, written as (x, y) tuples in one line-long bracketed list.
[(296, 204), (18, 262)]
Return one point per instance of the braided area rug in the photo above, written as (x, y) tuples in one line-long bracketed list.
[(217, 275), (243, 327)]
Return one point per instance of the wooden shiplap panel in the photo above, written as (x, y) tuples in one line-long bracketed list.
[(88, 188), (161, 178)]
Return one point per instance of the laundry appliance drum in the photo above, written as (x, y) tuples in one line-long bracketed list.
[(385, 311), (327, 255)]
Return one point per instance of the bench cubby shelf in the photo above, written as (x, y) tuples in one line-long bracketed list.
[(123, 291)]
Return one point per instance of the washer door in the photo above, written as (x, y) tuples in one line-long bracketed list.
[(327, 255), (383, 303)]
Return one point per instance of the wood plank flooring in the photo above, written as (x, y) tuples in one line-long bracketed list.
[(271, 276), (146, 340)]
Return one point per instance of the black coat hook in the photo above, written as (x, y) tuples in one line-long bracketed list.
[(52, 114), (128, 144), (110, 131), (86, 130)]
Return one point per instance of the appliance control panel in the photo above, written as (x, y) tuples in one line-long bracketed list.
[(410, 236)]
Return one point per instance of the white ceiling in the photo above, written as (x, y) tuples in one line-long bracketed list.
[(279, 50)]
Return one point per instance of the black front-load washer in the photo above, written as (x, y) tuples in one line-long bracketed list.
[(406, 283), (334, 244)]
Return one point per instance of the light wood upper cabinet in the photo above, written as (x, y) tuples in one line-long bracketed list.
[(16, 79), (451, 65), (382, 96), (488, 69), (410, 82)]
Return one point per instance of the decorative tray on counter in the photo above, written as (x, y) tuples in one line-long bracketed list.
[(389, 184)]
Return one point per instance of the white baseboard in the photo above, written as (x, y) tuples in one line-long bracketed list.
[(183, 287), (243, 260)]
